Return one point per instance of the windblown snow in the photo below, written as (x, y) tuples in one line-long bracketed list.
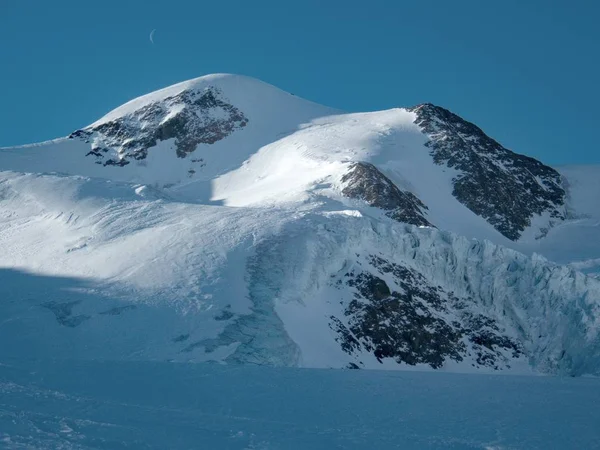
[(213, 221)]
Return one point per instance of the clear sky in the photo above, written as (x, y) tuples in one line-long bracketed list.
[(526, 71)]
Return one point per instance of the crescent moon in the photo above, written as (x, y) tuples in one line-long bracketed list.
[(152, 35)]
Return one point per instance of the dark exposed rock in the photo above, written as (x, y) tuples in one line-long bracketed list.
[(117, 162), (78, 134), (346, 339), (410, 281), (365, 182), (415, 322), (503, 187), (400, 325), (200, 117), (487, 341)]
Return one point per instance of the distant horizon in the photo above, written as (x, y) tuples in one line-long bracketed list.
[(530, 85)]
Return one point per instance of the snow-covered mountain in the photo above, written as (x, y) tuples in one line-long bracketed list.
[(224, 219)]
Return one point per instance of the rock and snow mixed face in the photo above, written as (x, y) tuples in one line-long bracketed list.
[(505, 188), (224, 219), (190, 118)]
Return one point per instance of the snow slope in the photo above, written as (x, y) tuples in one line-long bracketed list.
[(576, 241), (289, 148), (114, 405), (210, 221), (260, 102)]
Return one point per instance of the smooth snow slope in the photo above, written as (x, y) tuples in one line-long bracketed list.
[(79, 405), (121, 271), (229, 253)]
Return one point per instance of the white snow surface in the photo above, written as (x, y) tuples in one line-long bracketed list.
[(145, 262), (151, 405)]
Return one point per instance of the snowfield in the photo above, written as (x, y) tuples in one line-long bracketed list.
[(150, 405), (211, 221)]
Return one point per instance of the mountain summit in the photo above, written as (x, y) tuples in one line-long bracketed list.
[(224, 219)]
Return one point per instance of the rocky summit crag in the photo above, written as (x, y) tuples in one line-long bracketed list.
[(505, 188), (190, 118)]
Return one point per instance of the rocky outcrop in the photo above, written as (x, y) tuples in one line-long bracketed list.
[(190, 118), (505, 188), (414, 322), (365, 182)]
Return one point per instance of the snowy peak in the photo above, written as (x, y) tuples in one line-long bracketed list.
[(248, 94), (190, 132), (191, 117), (222, 219), (509, 190), (197, 112), (220, 137)]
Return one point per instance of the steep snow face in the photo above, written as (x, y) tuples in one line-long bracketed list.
[(577, 241), (223, 219)]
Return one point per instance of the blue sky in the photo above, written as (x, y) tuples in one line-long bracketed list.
[(525, 71)]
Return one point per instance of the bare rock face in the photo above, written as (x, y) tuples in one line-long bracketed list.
[(414, 322), (365, 182), (190, 118), (503, 187)]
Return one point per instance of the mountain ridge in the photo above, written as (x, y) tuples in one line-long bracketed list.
[(221, 218)]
